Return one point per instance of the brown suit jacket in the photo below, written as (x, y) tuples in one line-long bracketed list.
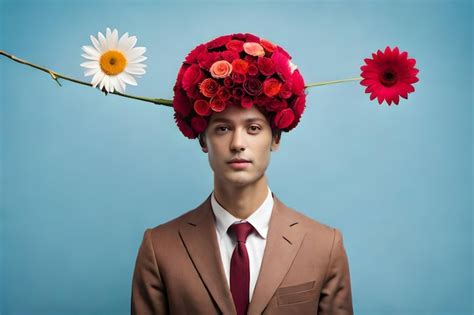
[(304, 270)]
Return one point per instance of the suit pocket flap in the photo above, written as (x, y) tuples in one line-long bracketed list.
[(296, 288)]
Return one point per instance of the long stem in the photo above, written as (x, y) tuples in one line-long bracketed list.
[(56, 76), (332, 82)]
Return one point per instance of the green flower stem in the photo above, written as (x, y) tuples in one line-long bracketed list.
[(332, 82), (158, 101), (56, 76)]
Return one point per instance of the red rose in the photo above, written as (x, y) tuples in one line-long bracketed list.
[(223, 93), (253, 69), (229, 55), (276, 105), (228, 82), (262, 100), (271, 87), (206, 59), (268, 45), (282, 65), (237, 93), (246, 101), (298, 83), (217, 104), (193, 92), (235, 45), (192, 56), (192, 76), (253, 86), (284, 118), (183, 126), (240, 66), (238, 78), (284, 52), (218, 42), (199, 124), (299, 105), (285, 90), (181, 103), (209, 87), (202, 107), (266, 66)]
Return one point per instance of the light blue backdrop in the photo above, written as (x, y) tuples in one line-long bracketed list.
[(83, 174)]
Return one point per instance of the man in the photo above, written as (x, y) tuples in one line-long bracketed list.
[(180, 266), (241, 251)]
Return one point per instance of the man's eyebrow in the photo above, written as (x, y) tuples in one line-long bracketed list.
[(225, 120)]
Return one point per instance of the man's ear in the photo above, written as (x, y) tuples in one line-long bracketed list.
[(202, 142), (275, 141)]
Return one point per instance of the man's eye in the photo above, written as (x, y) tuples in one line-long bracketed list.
[(221, 128), (254, 128)]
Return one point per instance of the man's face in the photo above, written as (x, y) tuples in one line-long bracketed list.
[(239, 133)]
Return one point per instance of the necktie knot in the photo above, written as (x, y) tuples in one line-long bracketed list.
[(241, 230)]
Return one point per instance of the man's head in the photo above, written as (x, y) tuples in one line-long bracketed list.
[(239, 133)]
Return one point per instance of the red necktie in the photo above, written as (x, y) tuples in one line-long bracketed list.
[(239, 268)]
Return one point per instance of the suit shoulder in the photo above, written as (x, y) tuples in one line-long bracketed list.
[(312, 225)]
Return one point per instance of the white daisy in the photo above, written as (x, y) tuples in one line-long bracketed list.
[(113, 62)]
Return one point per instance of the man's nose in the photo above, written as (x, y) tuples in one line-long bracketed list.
[(238, 140)]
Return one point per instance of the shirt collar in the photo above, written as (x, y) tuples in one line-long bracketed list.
[(259, 219)]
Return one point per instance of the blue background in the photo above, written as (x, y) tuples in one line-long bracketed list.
[(84, 174)]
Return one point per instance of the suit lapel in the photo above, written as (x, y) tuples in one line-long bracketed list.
[(200, 239), (283, 242)]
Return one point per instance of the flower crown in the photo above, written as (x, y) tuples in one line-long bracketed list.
[(242, 70)]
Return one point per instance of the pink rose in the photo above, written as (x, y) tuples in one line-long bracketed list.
[(221, 69), (254, 49)]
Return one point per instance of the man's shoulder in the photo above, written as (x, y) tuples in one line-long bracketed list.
[(309, 224)]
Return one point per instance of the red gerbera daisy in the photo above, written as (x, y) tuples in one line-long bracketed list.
[(389, 75)]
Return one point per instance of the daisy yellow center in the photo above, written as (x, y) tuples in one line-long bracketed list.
[(112, 62), (388, 78)]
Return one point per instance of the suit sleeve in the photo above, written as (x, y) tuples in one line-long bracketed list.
[(148, 290), (336, 296)]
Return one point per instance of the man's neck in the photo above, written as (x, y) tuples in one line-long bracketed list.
[(241, 202)]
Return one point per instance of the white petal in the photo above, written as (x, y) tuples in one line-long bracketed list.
[(90, 64), (90, 72), (97, 78), (102, 82), (96, 44), (123, 41), (114, 39), (127, 78), (90, 50), (132, 40), (138, 59), (133, 70), (103, 42), (118, 85), (111, 84), (122, 84), (135, 52), (90, 57)]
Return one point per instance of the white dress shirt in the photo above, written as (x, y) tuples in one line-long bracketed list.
[(255, 243)]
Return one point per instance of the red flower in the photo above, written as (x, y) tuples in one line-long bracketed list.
[(217, 104), (271, 87), (389, 75), (282, 65), (183, 126), (206, 59), (235, 45), (209, 87), (199, 124), (246, 102), (202, 107), (253, 86), (266, 66), (229, 55), (240, 66), (218, 42), (284, 118), (192, 76)]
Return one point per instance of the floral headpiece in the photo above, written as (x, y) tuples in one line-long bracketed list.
[(242, 70), (239, 69)]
